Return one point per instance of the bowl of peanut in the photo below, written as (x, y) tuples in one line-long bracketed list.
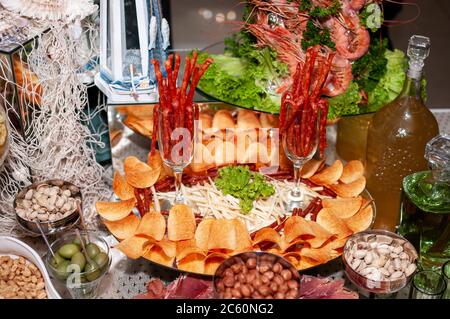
[(22, 273), (256, 275)]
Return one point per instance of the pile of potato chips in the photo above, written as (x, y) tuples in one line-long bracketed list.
[(180, 242)]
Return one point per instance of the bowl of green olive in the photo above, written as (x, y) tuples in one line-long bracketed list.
[(80, 260)]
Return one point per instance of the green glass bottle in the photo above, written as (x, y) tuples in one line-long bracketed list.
[(425, 207)]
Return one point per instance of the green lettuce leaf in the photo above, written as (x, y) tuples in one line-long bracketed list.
[(346, 103), (390, 84)]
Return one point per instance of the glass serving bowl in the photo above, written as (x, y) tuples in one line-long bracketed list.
[(382, 286), (242, 258), (81, 285)]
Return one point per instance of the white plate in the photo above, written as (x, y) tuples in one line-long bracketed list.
[(14, 247)]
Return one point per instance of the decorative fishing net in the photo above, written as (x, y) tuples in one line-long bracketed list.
[(57, 143)]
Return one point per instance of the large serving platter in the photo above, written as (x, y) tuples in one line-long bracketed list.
[(132, 143)]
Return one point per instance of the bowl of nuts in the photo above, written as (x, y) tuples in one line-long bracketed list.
[(379, 261), (22, 272), (256, 275), (54, 204)]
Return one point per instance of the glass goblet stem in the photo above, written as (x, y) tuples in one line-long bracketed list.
[(179, 198), (296, 191)]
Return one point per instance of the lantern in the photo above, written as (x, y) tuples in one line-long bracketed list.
[(130, 33)]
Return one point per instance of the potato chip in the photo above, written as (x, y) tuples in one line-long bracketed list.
[(188, 247), (169, 247), (123, 228), (247, 119), (343, 207), (311, 167), (152, 225), (309, 231), (255, 153), (139, 174), (351, 172), (224, 153), (114, 211), (193, 263), (155, 161), (319, 254), (222, 120), (202, 160), (213, 261), (269, 120), (332, 224), (202, 233), (306, 263), (268, 234), (362, 219), (121, 188), (143, 126), (157, 255), (134, 246), (329, 175), (222, 235), (293, 257), (243, 239), (205, 121), (181, 223), (114, 136), (352, 189)]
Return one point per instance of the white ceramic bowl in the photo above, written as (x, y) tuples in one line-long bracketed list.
[(14, 247)]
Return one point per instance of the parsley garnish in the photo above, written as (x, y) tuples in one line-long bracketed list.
[(314, 35), (305, 5), (321, 13)]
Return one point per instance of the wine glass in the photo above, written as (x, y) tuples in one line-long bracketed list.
[(176, 145), (300, 141)]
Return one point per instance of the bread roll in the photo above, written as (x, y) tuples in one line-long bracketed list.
[(223, 120), (247, 120)]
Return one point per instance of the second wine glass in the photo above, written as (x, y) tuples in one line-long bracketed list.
[(300, 142), (176, 145)]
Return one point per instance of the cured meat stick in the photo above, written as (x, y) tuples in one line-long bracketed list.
[(196, 78), (147, 199), (155, 128), (193, 62), (176, 69), (139, 203)]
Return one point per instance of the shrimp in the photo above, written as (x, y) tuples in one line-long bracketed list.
[(339, 77), (356, 4), (352, 40), (281, 40)]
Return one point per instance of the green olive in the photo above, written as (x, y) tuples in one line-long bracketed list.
[(68, 250), (92, 250), (92, 271), (101, 259), (79, 259), (62, 269), (77, 241), (56, 260)]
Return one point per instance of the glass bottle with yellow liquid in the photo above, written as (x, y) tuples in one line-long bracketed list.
[(397, 137)]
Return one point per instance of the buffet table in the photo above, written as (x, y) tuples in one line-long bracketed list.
[(128, 278)]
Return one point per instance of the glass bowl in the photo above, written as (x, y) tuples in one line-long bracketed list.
[(241, 259), (81, 285), (376, 286)]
